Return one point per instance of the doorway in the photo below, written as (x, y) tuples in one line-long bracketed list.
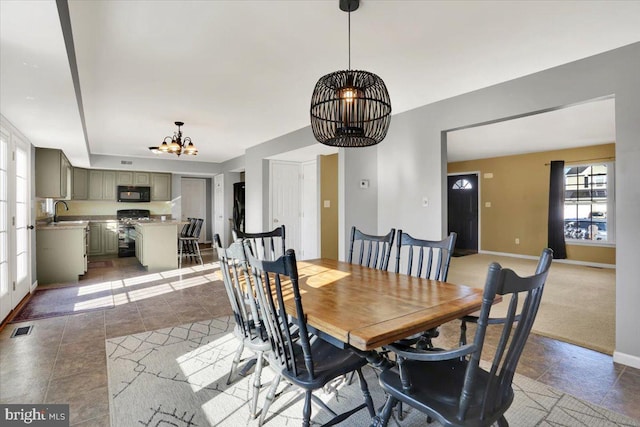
[(462, 208), (193, 202)]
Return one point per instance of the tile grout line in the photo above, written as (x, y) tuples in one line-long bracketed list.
[(55, 360), (612, 386)]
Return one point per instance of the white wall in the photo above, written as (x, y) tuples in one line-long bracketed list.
[(411, 163)]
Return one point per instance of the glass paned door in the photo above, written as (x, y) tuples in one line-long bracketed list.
[(5, 288), (15, 212), (22, 220)]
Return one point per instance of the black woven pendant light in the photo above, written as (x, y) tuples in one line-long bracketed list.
[(350, 108)]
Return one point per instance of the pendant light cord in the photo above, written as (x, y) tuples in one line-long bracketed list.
[(349, 39)]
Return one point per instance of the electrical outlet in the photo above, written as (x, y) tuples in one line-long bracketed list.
[(517, 241)]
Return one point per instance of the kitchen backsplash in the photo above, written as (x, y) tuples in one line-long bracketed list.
[(44, 208)]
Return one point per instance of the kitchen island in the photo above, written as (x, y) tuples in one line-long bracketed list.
[(61, 251), (157, 244)]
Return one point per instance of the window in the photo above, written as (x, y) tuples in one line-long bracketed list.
[(462, 184), (588, 202)]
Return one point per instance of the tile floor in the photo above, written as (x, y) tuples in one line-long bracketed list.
[(63, 359)]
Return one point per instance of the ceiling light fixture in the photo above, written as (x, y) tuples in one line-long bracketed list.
[(175, 144), (350, 108)]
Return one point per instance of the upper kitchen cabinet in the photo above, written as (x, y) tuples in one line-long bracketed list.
[(133, 178), (102, 185), (80, 184), (53, 174), (160, 187)]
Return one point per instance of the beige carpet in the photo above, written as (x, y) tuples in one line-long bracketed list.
[(578, 304)]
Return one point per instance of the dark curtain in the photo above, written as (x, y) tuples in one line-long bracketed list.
[(556, 210)]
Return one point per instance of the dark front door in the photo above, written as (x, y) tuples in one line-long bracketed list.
[(463, 211)]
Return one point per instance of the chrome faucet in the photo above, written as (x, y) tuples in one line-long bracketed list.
[(55, 209)]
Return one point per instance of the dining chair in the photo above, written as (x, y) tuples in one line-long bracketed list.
[(188, 241), (267, 245), (303, 360), (429, 259), (249, 329), (449, 385), (371, 251)]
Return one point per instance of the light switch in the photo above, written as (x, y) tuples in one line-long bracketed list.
[(327, 203), (487, 204), (488, 175)]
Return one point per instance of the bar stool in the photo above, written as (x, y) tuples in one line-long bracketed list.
[(188, 240)]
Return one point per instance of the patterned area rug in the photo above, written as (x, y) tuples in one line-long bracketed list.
[(55, 302), (177, 376)]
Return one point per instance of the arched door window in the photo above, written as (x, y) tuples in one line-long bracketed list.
[(462, 184)]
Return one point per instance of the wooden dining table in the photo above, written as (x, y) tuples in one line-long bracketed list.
[(364, 308)]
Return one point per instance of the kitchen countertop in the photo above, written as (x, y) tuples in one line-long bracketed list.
[(62, 225)]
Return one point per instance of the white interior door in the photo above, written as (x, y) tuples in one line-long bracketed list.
[(194, 201), (15, 210), (310, 230), (285, 202), (218, 208)]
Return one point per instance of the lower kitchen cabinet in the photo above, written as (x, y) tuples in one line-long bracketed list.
[(103, 238), (61, 253), (157, 245)]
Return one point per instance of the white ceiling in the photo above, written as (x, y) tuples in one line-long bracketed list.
[(240, 73)]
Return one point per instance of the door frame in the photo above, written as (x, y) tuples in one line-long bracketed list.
[(479, 174), (15, 137)]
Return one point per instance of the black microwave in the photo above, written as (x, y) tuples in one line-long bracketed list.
[(134, 194)]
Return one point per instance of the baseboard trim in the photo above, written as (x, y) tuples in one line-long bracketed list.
[(34, 285), (561, 261), (626, 359)]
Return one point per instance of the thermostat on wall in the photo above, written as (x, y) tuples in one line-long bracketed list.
[(364, 183)]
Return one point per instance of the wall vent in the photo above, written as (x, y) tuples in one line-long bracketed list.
[(126, 162)]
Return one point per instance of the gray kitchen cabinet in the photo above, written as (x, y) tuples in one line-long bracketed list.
[(157, 245), (102, 185), (80, 184), (110, 237), (141, 178), (95, 238), (160, 187), (61, 253), (103, 238), (125, 178), (53, 174)]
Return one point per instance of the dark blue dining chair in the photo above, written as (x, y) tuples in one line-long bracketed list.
[(302, 359), (449, 385)]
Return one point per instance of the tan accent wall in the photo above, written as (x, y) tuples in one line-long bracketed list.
[(329, 216), (519, 198)]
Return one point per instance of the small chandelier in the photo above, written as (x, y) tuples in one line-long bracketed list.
[(350, 108), (176, 145)]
